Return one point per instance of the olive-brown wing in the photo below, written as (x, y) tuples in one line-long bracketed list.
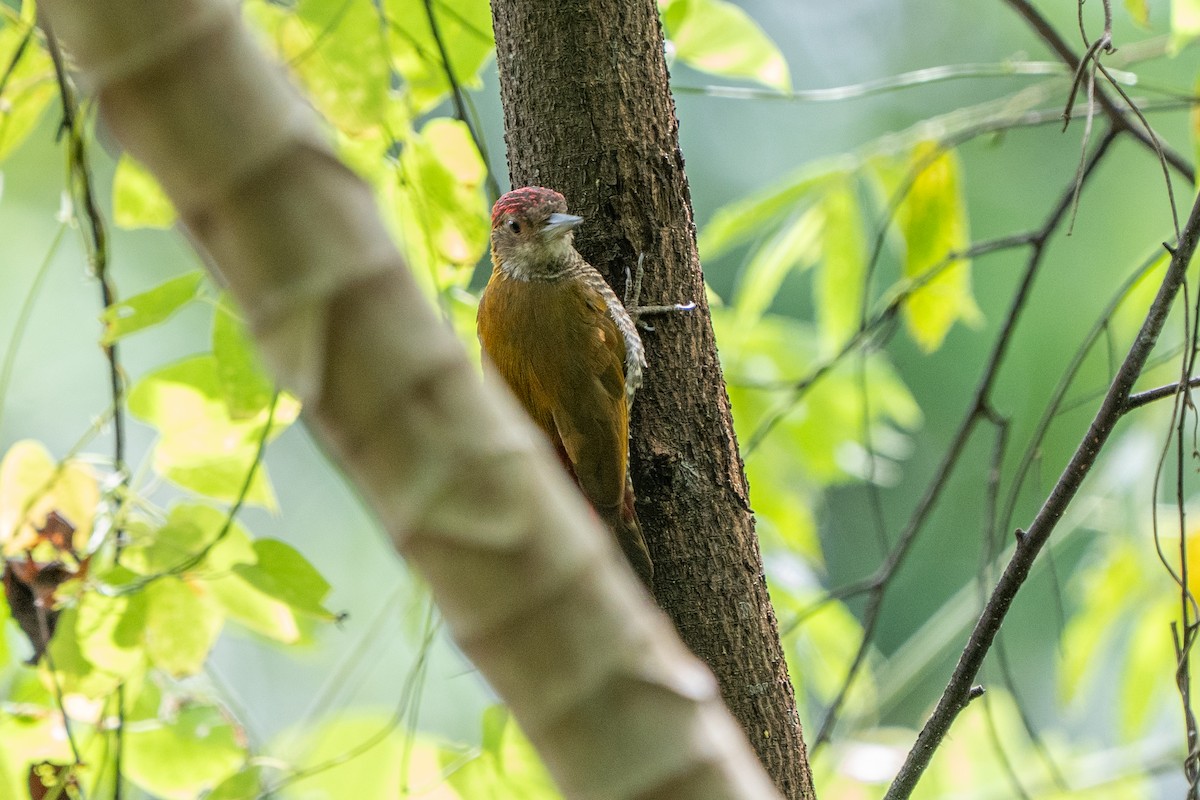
[(590, 411), (511, 322)]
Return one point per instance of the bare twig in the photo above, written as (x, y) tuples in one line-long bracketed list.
[(1116, 116), (1149, 396), (1004, 122), (1156, 144), (460, 104), (80, 179), (196, 558), (1054, 405), (890, 83), (976, 411), (1184, 640), (956, 694), (872, 326)]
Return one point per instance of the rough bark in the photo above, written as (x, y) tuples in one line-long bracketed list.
[(588, 111), (528, 583)]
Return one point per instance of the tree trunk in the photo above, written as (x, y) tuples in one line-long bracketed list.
[(520, 568), (588, 111)]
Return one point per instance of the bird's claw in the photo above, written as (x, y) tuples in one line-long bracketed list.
[(633, 288)]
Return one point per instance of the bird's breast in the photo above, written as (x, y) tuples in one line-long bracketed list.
[(548, 340)]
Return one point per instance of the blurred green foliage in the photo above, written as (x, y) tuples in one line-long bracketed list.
[(832, 407)]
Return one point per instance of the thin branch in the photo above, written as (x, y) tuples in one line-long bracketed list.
[(1090, 64), (871, 327), (194, 559), (405, 712), (460, 105), (1183, 680), (1006, 122), (80, 175), (1055, 403), (976, 410), (1160, 149), (1185, 633), (80, 178), (1116, 116), (903, 80), (1087, 135), (989, 553), (1149, 396), (1082, 71), (956, 694), (56, 689), (1180, 578), (1035, 738)]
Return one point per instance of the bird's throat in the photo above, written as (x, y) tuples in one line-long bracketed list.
[(544, 262)]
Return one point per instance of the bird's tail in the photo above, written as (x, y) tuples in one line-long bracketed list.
[(628, 530)]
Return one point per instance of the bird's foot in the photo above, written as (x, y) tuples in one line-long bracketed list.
[(633, 289)]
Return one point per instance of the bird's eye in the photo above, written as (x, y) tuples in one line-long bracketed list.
[(514, 226)]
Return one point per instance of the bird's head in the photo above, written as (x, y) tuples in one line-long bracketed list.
[(532, 234)]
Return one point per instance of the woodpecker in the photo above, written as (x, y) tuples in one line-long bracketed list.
[(569, 350)]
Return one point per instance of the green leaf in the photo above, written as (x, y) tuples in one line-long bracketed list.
[(180, 757), (753, 217), (150, 307), (244, 785), (109, 630), (138, 200), (1185, 23), (28, 734), (255, 610), (440, 207), (796, 246), (718, 37), (1139, 11), (73, 673), (1149, 656), (281, 572), (373, 69), (244, 383), (32, 485), (507, 766), (373, 773), (339, 54), (1110, 591), (190, 527), (465, 33), (932, 219), (182, 624), (494, 720), (202, 447), (841, 278), (30, 85)]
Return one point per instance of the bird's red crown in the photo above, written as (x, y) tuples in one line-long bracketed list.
[(526, 200)]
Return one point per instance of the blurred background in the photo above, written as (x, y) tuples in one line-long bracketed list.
[(1088, 692)]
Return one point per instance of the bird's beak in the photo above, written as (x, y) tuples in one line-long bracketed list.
[(558, 224)]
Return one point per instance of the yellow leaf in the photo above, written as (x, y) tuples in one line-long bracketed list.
[(32, 484), (933, 220), (719, 37)]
